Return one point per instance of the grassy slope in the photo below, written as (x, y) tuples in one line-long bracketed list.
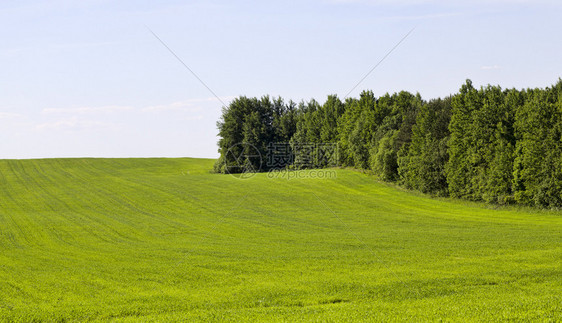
[(163, 239)]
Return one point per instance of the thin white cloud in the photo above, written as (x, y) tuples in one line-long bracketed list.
[(174, 106), (85, 118), (6, 115), (197, 117), (15, 51), (87, 110), (74, 123), (224, 99), (423, 17), (440, 2), (490, 67), (381, 2), (190, 105)]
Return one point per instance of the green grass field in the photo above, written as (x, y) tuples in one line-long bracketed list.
[(166, 240)]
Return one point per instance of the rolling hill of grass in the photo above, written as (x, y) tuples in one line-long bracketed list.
[(166, 240)]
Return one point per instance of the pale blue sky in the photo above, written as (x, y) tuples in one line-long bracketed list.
[(87, 78)]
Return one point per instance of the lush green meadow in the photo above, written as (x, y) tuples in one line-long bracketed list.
[(166, 240)]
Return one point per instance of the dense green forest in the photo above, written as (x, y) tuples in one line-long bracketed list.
[(487, 144)]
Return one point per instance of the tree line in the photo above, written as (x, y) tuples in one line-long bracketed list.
[(487, 144)]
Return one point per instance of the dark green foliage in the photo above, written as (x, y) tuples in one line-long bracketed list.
[(499, 186), (356, 130), (489, 144), (394, 134), (309, 125), (362, 131), (460, 168), (284, 120), (537, 173), (246, 126), (330, 114), (316, 124), (384, 160), (482, 144), (231, 133), (423, 167)]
